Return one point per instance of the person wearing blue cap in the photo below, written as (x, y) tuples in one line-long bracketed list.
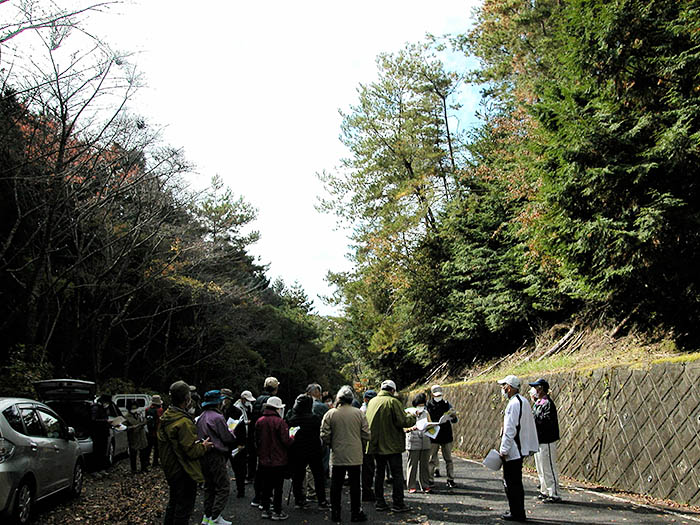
[(547, 423), (211, 424)]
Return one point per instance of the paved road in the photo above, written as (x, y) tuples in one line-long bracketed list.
[(478, 499)]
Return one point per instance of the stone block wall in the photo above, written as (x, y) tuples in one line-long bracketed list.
[(635, 430)]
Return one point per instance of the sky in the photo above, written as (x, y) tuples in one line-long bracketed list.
[(252, 91)]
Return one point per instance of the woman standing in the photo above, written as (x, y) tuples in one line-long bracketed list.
[(418, 446), (136, 433)]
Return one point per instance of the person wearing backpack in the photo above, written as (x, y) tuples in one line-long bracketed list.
[(153, 413), (518, 441)]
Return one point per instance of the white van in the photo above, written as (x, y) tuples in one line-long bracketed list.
[(143, 401)]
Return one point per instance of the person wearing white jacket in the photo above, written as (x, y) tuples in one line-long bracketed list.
[(518, 441)]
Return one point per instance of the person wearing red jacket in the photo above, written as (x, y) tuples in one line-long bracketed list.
[(272, 441)]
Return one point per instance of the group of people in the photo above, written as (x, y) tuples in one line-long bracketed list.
[(348, 442)]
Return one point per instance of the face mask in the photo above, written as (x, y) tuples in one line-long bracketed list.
[(504, 395), (533, 392), (419, 410)]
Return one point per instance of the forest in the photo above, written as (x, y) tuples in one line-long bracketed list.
[(575, 196)]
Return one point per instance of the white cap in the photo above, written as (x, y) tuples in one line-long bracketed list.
[(274, 402), (247, 395), (436, 391), (388, 383), (510, 380)]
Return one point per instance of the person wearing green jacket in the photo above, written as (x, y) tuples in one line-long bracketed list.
[(179, 451), (387, 420)]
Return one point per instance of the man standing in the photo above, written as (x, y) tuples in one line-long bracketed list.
[(437, 408), (345, 429), (237, 412), (547, 423), (387, 420), (519, 440), (272, 441), (179, 455)]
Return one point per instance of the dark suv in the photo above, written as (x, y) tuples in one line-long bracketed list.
[(97, 429)]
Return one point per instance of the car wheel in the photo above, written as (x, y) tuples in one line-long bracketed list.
[(24, 503), (77, 485), (110, 454)]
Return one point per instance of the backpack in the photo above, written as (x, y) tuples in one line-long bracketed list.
[(152, 420)]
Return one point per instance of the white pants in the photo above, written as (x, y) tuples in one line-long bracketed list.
[(546, 464)]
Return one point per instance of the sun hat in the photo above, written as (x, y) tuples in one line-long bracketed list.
[(212, 397), (274, 402), (510, 380), (156, 400), (271, 382)]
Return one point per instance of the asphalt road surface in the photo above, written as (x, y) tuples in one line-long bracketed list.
[(477, 499)]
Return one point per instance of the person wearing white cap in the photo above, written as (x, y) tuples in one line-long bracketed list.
[(518, 441), (387, 420), (437, 408), (269, 389)]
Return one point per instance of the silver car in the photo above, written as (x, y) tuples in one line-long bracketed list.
[(39, 456)]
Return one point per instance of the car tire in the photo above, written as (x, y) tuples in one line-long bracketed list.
[(24, 503), (110, 454), (76, 487)]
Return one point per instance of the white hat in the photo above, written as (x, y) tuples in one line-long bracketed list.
[(388, 383), (247, 395), (274, 402), (510, 380), (271, 382), (436, 391)]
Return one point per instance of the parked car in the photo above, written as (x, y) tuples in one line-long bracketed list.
[(39, 456), (97, 428), (142, 401)]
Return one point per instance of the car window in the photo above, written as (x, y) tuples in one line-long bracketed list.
[(121, 402), (51, 423), (141, 402), (31, 423), (14, 418)]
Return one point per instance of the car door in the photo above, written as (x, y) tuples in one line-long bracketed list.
[(121, 440), (62, 459), (41, 453)]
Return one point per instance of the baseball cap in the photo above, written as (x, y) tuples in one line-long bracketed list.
[(247, 395), (272, 382), (388, 383), (510, 380)]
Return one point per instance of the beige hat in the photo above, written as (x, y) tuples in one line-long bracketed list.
[(274, 402), (510, 380), (271, 382), (247, 395), (388, 383), (156, 400)]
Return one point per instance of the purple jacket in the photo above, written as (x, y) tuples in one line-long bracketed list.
[(211, 424)]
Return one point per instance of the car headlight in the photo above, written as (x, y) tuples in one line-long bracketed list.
[(7, 449)]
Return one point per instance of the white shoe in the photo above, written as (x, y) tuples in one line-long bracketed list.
[(206, 520), (220, 521)]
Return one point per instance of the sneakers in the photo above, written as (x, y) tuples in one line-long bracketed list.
[(219, 521), (323, 505), (428, 490), (303, 504), (381, 506), (255, 503), (411, 491), (541, 496), (551, 499), (400, 508), (451, 483), (265, 514), (360, 516), (279, 516)]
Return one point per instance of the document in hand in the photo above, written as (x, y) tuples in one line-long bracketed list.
[(493, 460), (293, 431), (232, 423), (431, 430)]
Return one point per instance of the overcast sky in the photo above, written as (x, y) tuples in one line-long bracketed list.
[(251, 91)]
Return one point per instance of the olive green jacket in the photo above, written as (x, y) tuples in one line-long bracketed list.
[(387, 419), (177, 445)]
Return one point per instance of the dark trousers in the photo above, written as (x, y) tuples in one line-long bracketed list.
[(513, 484), (315, 463), (216, 482), (152, 446), (367, 476), (337, 479), (252, 454), (396, 466), (272, 480), (183, 494), (143, 458), (239, 465)]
